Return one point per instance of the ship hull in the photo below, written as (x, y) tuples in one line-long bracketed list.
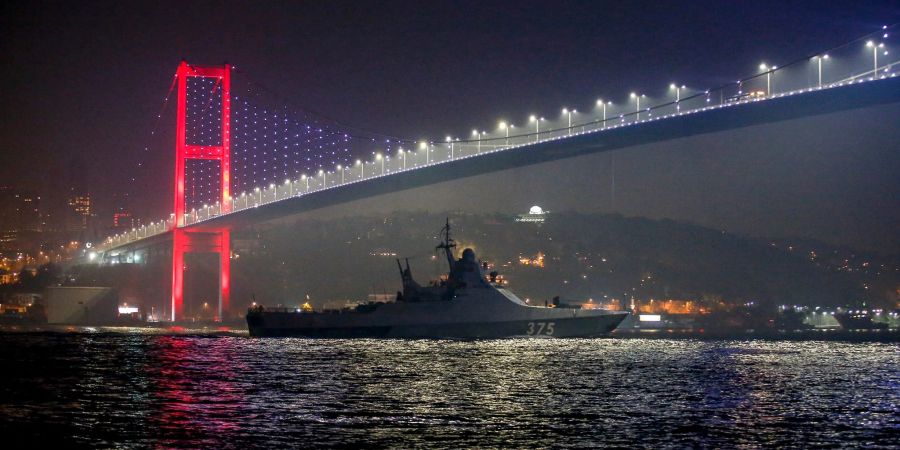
[(283, 324)]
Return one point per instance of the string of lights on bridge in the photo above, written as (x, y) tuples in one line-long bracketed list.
[(271, 145)]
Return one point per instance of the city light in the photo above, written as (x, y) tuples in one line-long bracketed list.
[(637, 98), (768, 70), (677, 90)]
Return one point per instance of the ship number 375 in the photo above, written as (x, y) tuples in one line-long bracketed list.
[(540, 328)]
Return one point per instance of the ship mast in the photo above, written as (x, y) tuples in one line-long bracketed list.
[(447, 243)]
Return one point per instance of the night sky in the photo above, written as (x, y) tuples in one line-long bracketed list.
[(85, 80)]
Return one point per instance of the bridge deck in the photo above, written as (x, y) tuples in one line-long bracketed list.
[(709, 120)]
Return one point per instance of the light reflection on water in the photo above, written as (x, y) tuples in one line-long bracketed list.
[(228, 391)]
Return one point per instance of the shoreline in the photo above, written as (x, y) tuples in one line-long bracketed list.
[(834, 335)]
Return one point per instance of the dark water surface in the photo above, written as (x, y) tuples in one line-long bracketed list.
[(139, 390)]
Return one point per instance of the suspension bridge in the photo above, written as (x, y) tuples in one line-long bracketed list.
[(237, 164)]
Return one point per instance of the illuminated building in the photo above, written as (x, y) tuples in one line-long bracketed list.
[(8, 277), (535, 215), (669, 306), (79, 212), (536, 261), (123, 220), (19, 210)]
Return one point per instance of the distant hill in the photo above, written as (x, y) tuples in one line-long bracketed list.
[(584, 256)]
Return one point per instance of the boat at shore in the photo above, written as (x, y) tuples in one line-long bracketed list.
[(466, 304), (859, 320)]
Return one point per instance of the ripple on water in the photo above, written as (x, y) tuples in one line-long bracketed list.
[(231, 391)]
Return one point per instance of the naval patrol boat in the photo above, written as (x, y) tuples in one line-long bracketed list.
[(466, 304)]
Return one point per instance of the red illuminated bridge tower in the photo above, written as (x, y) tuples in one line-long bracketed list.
[(207, 241)]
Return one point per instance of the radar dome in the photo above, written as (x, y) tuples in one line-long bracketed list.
[(535, 210)]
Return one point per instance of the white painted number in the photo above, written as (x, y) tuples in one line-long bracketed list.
[(545, 328)]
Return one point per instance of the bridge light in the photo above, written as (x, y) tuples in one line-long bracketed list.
[(768, 71), (288, 181), (339, 167), (423, 146), (677, 89), (321, 172), (532, 119), (358, 162), (272, 186), (378, 156), (256, 189)]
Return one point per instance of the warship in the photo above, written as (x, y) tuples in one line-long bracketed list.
[(465, 304)]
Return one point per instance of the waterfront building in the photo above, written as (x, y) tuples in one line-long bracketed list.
[(535, 215)]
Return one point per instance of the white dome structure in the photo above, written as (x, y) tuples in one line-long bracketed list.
[(535, 210)]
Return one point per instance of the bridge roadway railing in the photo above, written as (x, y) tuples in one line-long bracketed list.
[(792, 79)]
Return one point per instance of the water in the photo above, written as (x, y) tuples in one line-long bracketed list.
[(140, 390)]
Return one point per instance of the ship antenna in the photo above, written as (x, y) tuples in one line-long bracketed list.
[(447, 243)]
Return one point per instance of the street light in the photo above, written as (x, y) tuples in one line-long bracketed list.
[(403, 156), (677, 90), (341, 168), (875, 55), (424, 146), (503, 126), (569, 113), (819, 60), (305, 178), (380, 158), (769, 71), (322, 174), (637, 110), (478, 136), (537, 127), (362, 169), (603, 104)]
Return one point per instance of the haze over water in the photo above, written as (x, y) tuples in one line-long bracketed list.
[(138, 390)]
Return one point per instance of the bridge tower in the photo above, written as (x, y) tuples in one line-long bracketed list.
[(214, 241)]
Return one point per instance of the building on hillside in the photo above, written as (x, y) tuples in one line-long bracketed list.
[(535, 215)]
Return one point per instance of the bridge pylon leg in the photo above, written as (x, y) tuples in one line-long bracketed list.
[(224, 274), (184, 242), (178, 247)]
